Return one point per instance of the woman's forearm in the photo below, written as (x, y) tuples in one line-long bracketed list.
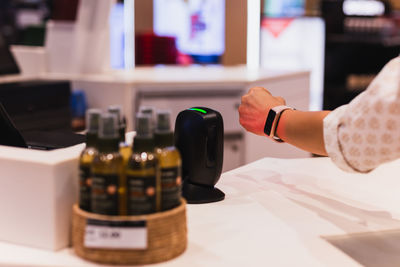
[(303, 129)]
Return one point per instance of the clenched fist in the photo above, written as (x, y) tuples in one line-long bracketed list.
[(253, 110)]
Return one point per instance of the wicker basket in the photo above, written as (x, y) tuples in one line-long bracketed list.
[(166, 237)]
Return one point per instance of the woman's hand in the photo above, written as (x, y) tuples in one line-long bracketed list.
[(253, 110)]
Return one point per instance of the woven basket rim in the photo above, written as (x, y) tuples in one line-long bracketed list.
[(145, 217), (166, 237)]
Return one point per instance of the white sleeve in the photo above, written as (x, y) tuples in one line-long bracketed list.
[(366, 132)]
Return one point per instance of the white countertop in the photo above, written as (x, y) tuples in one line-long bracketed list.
[(196, 74), (187, 74), (277, 212)]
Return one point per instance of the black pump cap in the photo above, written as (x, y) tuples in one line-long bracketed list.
[(151, 112), (163, 135), (143, 125), (117, 110), (108, 128), (163, 121), (92, 126), (108, 133), (144, 140), (92, 120)]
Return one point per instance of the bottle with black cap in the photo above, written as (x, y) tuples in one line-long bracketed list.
[(124, 148), (142, 174), (108, 183), (150, 111), (86, 158), (170, 162)]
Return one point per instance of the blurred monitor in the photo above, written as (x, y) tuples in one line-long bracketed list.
[(283, 8), (117, 45), (198, 25)]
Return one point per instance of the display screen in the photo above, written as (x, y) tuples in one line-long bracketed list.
[(198, 25), (269, 122), (283, 8), (117, 36)]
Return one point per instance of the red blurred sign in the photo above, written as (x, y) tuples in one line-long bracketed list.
[(276, 25)]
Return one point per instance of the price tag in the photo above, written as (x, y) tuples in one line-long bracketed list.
[(116, 234)]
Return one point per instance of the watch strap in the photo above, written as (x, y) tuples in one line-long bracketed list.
[(272, 122)]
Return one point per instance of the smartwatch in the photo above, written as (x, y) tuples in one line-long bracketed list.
[(271, 123)]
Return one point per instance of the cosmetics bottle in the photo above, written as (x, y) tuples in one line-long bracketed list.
[(86, 158), (142, 174), (169, 161), (108, 182)]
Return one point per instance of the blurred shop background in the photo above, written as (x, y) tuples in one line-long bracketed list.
[(175, 54), (343, 42)]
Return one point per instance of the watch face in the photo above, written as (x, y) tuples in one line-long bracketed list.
[(269, 122)]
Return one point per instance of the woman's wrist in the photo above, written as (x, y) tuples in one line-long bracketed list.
[(303, 129), (282, 125)]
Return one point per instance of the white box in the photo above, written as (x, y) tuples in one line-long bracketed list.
[(31, 59), (37, 191)]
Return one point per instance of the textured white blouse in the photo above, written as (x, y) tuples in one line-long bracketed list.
[(365, 133)]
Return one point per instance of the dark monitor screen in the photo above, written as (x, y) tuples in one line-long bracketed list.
[(9, 135), (8, 65)]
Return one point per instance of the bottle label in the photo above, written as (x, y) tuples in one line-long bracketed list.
[(171, 183), (141, 192), (85, 182), (116, 234), (105, 194)]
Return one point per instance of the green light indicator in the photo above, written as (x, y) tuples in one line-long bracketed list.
[(199, 110)]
